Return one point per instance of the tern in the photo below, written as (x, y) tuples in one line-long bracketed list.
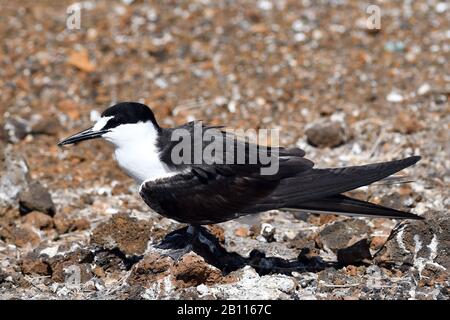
[(209, 192)]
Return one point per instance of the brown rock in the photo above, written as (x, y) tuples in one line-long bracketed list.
[(218, 232), (192, 270), (34, 264), (80, 59), (80, 224), (65, 224), (38, 220), (48, 125), (351, 270), (72, 267), (70, 108), (23, 236), (377, 242), (73, 273), (128, 234), (407, 123), (255, 230), (36, 198), (98, 272), (342, 234), (326, 134), (241, 232), (152, 267)]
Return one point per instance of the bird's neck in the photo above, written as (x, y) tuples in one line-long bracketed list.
[(137, 153)]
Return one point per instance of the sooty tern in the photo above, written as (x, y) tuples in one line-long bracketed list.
[(209, 192)]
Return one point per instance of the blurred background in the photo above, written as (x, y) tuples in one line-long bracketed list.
[(344, 92)]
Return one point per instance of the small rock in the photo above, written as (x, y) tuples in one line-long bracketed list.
[(220, 101), (331, 277), (73, 268), (355, 253), (218, 232), (14, 176), (64, 223), (47, 124), (406, 123), (394, 97), (268, 232), (126, 233), (16, 129), (38, 220), (255, 230), (241, 232), (24, 236), (36, 198), (377, 242), (192, 270), (113, 261), (441, 7), (98, 272), (35, 264), (71, 109), (80, 60), (394, 46), (424, 89), (152, 267), (326, 134), (305, 279), (202, 290), (342, 234)]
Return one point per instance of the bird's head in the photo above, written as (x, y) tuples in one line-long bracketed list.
[(119, 124)]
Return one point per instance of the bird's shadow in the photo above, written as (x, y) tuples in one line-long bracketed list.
[(208, 246)]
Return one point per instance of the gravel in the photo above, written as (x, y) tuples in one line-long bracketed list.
[(345, 94)]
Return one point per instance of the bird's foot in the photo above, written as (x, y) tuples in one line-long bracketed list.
[(191, 238)]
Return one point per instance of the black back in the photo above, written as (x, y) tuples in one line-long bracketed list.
[(129, 112)]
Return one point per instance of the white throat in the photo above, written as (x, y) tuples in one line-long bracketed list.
[(136, 151)]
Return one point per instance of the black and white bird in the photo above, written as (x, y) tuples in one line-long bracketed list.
[(208, 193)]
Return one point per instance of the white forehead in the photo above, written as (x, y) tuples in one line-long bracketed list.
[(101, 123)]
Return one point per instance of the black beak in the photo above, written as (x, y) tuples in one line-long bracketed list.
[(87, 134)]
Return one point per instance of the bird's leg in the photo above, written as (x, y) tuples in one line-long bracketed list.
[(205, 241), (191, 238), (179, 242)]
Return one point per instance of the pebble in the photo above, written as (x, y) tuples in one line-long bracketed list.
[(14, 176), (268, 232), (36, 197), (394, 46), (326, 134), (424, 89), (394, 97)]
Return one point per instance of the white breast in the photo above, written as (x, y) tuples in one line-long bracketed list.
[(136, 151)]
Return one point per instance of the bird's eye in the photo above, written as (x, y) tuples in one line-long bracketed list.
[(112, 123)]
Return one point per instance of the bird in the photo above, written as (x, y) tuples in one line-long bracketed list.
[(212, 190)]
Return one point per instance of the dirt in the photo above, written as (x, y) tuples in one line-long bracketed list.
[(72, 224)]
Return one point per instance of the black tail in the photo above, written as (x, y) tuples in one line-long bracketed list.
[(321, 189), (344, 205), (321, 183)]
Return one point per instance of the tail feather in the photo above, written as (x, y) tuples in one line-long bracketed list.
[(320, 183), (321, 189), (344, 205)]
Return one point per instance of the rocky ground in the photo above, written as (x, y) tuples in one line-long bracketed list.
[(73, 226)]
